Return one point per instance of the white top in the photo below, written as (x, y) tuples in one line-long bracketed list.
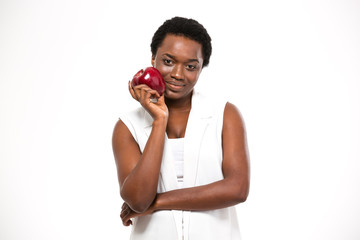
[(177, 147), (202, 165)]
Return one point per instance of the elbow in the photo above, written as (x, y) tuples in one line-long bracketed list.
[(240, 198), (241, 193), (138, 207), (137, 204)]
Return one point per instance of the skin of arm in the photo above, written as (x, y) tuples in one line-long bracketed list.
[(138, 173), (233, 189)]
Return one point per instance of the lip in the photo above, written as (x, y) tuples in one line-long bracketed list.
[(174, 85)]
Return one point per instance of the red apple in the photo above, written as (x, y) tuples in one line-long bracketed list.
[(151, 77)]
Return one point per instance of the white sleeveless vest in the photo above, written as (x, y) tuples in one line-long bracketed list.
[(202, 165)]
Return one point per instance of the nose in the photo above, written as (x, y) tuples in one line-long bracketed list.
[(177, 72)]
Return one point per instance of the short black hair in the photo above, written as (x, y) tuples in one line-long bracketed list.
[(186, 27)]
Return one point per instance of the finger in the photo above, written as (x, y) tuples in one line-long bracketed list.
[(144, 95), (123, 216), (149, 94), (139, 91), (139, 87), (154, 93), (162, 98), (124, 212), (126, 219), (128, 223), (132, 92)]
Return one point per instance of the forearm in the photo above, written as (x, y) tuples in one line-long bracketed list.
[(220, 194), (140, 186)]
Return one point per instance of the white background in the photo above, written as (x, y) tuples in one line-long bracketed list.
[(291, 67)]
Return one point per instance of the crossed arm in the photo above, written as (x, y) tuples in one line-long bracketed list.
[(138, 173)]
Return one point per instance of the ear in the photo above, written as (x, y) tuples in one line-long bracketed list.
[(153, 60)]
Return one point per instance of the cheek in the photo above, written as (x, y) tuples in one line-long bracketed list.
[(193, 77), (164, 70)]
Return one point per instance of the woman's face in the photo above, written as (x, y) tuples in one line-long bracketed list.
[(179, 60)]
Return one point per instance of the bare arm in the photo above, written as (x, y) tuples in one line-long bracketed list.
[(138, 173), (232, 190)]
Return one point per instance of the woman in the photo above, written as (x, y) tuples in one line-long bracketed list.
[(182, 162)]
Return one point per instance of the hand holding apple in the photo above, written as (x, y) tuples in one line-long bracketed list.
[(150, 100), (151, 77)]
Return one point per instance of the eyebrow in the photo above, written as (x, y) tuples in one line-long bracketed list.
[(189, 60)]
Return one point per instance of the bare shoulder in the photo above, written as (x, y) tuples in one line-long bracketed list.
[(120, 129), (232, 117), (124, 130), (121, 135)]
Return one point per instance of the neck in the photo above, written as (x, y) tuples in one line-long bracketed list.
[(183, 104)]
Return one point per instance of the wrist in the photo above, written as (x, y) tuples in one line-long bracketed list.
[(160, 121), (155, 206)]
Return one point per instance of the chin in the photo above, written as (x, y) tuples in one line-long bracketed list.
[(172, 95), (176, 95)]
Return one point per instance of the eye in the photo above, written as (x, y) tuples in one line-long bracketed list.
[(167, 61), (191, 67)]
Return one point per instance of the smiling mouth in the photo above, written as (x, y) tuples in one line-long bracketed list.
[(174, 85)]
